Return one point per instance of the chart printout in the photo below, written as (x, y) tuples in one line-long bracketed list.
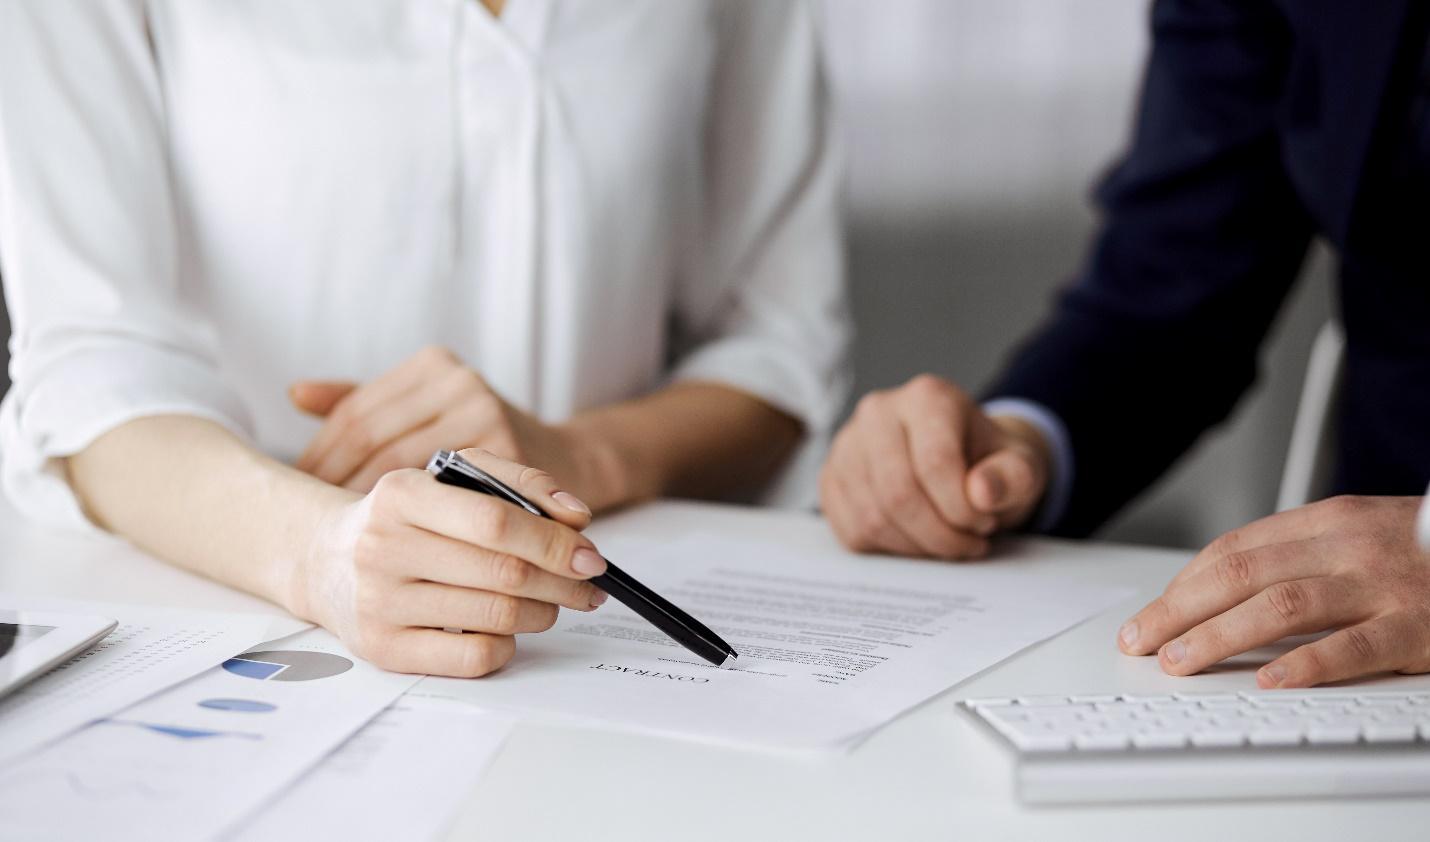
[(199, 758)]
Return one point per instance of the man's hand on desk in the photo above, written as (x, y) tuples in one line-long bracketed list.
[(921, 470), (392, 569), (1349, 563)]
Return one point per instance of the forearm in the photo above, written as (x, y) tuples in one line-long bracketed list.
[(689, 440), (192, 493)]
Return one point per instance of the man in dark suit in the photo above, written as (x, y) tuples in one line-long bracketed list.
[(1261, 125)]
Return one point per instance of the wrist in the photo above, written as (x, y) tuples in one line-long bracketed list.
[(605, 475), (318, 537)]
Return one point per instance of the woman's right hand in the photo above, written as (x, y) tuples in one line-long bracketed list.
[(391, 570)]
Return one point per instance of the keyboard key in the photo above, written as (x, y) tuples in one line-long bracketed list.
[(1207, 697), (1102, 742), (983, 703), (1156, 740), (1093, 700), (1041, 742), (1332, 735), (1382, 733), (1274, 738), (1137, 697), (1218, 739), (1042, 701)]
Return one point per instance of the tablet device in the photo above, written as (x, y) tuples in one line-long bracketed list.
[(32, 642)]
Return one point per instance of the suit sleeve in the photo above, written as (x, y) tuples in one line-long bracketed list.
[(1202, 236)]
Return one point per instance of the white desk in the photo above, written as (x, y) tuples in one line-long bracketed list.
[(929, 775)]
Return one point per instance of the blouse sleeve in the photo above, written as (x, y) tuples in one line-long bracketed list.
[(765, 308), (104, 331)]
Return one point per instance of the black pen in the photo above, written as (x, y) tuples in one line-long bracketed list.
[(450, 468)]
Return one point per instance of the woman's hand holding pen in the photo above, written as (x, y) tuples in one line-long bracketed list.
[(390, 571), (428, 402)]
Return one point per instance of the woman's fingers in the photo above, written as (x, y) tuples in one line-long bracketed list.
[(319, 397), (1228, 581), (410, 451), (1300, 606), (1394, 642), (434, 652), (425, 365), (535, 485), (436, 558), (431, 605), (414, 497), (361, 437)]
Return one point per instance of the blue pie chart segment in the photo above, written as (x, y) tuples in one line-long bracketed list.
[(287, 665), (238, 705)]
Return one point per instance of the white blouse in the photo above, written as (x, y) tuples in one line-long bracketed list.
[(202, 201)]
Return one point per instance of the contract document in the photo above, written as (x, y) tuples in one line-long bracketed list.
[(831, 645)]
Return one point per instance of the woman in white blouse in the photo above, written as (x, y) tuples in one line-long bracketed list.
[(598, 238)]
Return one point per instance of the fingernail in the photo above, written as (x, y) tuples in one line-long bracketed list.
[(571, 502), (1273, 674), (1128, 634), (588, 562), (1175, 652), (599, 598)]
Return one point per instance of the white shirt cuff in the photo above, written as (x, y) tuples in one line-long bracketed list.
[(1425, 522), (1055, 499)]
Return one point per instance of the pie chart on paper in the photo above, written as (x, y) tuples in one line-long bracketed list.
[(287, 665)]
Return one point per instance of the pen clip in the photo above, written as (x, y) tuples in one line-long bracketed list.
[(444, 463)]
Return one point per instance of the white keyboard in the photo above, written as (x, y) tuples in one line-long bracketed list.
[(1215, 745)]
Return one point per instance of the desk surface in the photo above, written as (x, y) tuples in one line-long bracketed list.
[(930, 774)]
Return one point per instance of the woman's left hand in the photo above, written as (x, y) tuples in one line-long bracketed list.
[(428, 402), (1349, 563)]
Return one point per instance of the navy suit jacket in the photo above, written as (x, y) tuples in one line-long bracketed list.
[(1261, 125)]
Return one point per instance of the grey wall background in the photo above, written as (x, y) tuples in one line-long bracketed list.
[(973, 132)]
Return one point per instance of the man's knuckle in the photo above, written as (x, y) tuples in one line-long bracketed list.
[(1161, 610), (1234, 570), (871, 404), (902, 490), (1346, 507), (1225, 543), (1290, 601), (1360, 644)]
